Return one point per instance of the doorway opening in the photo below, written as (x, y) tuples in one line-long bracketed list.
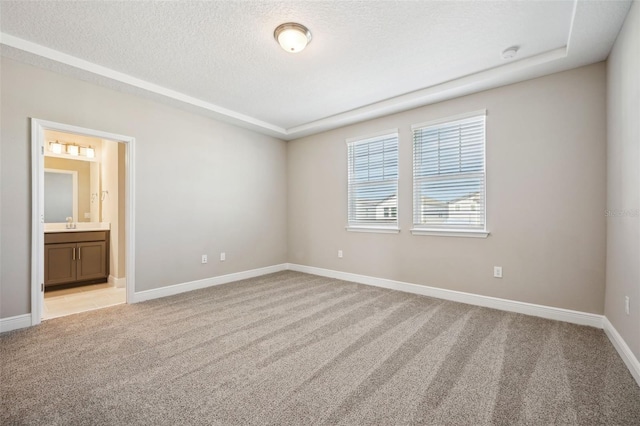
[(82, 244)]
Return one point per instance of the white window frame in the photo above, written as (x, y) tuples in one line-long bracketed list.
[(391, 228), (418, 229)]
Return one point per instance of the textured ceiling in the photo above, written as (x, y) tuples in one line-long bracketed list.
[(367, 58)]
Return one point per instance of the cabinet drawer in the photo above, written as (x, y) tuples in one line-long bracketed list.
[(74, 237)]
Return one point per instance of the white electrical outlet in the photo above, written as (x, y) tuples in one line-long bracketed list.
[(340, 254), (497, 271), (223, 257), (626, 305), (204, 258)]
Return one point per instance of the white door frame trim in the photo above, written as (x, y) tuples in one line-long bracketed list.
[(38, 128)]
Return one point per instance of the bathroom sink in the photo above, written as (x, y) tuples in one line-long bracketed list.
[(80, 227)]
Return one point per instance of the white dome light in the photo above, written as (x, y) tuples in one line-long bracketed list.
[(292, 37)]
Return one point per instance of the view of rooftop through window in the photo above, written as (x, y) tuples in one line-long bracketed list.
[(373, 180), (449, 175)]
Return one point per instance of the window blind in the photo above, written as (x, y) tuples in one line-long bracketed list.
[(449, 175), (373, 181)]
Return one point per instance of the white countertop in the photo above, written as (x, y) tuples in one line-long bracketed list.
[(80, 227)]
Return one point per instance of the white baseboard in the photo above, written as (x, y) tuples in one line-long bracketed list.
[(559, 314), (14, 323), (118, 282), (623, 349), (155, 293)]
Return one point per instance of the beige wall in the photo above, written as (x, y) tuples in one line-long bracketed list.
[(623, 181), (545, 192), (113, 206), (84, 181), (202, 186)]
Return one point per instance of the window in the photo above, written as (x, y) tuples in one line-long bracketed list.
[(449, 176), (373, 183)]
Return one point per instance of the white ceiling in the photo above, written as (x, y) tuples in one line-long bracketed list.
[(366, 59)]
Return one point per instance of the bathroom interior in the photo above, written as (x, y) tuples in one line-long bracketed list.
[(84, 224)]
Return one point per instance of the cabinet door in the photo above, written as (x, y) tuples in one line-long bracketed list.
[(59, 263), (91, 260)]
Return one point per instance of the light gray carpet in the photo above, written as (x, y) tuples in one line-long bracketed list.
[(297, 349)]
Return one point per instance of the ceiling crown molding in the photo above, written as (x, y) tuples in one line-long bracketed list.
[(57, 56), (494, 77), (511, 72)]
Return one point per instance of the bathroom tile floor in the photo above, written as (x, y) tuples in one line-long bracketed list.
[(58, 303)]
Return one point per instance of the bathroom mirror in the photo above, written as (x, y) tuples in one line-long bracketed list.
[(60, 195), (71, 189)]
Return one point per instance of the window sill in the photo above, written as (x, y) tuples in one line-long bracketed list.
[(373, 229), (450, 233)]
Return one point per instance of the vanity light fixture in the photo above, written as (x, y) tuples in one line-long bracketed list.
[(88, 152), (73, 150), (55, 147), (292, 37)]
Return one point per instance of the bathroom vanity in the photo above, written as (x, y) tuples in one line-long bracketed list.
[(76, 256)]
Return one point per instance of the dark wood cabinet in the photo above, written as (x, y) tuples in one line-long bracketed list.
[(59, 263), (76, 257)]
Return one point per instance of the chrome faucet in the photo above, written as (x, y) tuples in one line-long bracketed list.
[(70, 224)]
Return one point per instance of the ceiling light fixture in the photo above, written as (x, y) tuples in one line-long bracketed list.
[(292, 37), (510, 52)]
